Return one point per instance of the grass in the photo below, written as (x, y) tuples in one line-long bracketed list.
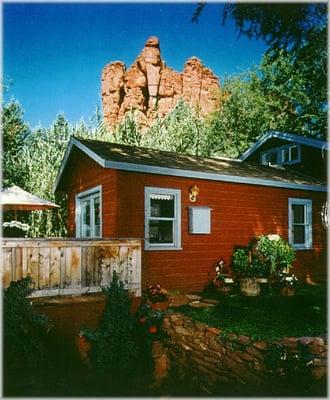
[(267, 317)]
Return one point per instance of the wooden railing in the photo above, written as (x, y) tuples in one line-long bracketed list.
[(68, 266)]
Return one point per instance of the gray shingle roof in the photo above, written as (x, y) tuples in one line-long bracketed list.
[(118, 156)]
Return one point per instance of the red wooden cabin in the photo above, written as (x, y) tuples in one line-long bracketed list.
[(123, 191)]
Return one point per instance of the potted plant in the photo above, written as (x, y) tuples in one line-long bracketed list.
[(157, 297), (222, 281), (247, 269), (288, 283), (274, 252)]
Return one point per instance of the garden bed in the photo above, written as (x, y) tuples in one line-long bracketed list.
[(267, 316)]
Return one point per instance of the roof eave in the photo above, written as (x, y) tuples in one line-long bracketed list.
[(75, 142), (178, 172), (319, 144)]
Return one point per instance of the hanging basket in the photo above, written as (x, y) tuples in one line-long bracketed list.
[(249, 287)]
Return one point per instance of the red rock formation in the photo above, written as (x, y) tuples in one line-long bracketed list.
[(152, 88)]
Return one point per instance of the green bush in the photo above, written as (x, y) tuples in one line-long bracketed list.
[(276, 254), (117, 350), (262, 257), (24, 334)]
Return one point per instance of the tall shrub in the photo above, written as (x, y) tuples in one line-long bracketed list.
[(114, 346)]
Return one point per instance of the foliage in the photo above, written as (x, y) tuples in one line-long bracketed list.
[(24, 331), (275, 253), (297, 34), (290, 368), (287, 280), (14, 131), (148, 319), (156, 294), (279, 25), (115, 349), (32, 161), (242, 265), (268, 316), (182, 130), (128, 131), (263, 256)]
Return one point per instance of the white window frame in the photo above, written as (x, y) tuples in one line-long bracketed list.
[(308, 204), (280, 154), (82, 195), (176, 245)]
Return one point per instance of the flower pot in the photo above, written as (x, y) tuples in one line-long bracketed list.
[(83, 346), (152, 329), (160, 306), (288, 291), (224, 289), (249, 287)]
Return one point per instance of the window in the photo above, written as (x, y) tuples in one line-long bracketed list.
[(88, 213), (284, 155), (300, 223), (162, 218)]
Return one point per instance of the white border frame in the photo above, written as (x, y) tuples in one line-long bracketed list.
[(308, 245), (148, 190), (94, 190)]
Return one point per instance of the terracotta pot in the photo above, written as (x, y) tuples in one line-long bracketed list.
[(287, 291), (249, 287), (224, 289), (83, 344), (83, 347), (152, 329), (160, 306)]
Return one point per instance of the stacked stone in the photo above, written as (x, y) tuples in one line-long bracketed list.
[(231, 358)]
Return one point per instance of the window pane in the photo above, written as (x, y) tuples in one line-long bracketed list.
[(298, 213), (299, 234), (160, 231), (97, 216), (85, 218), (285, 155), (162, 207), (294, 153)]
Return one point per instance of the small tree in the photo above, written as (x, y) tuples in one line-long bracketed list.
[(24, 336), (115, 350)]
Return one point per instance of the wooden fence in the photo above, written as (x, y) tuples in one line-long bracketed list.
[(68, 266)]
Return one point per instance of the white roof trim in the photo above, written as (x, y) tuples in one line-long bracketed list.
[(290, 137), (151, 169), (84, 149)]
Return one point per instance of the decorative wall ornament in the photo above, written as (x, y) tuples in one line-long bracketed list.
[(193, 193)]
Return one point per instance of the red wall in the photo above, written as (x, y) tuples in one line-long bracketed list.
[(86, 174), (239, 212)]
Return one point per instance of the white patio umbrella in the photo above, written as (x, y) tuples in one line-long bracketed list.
[(16, 199)]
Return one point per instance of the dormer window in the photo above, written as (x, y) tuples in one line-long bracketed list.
[(283, 155)]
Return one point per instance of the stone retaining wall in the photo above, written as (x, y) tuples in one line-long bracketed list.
[(236, 358)]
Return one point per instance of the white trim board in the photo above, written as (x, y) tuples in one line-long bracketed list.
[(290, 137), (151, 169)]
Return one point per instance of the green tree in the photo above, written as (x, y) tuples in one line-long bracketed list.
[(182, 130), (294, 68), (14, 131), (282, 26)]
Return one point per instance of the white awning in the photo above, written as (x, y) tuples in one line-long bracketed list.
[(161, 197)]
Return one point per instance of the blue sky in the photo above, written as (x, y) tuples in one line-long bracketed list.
[(54, 53)]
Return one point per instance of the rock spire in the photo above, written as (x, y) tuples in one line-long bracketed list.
[(152, 88)]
